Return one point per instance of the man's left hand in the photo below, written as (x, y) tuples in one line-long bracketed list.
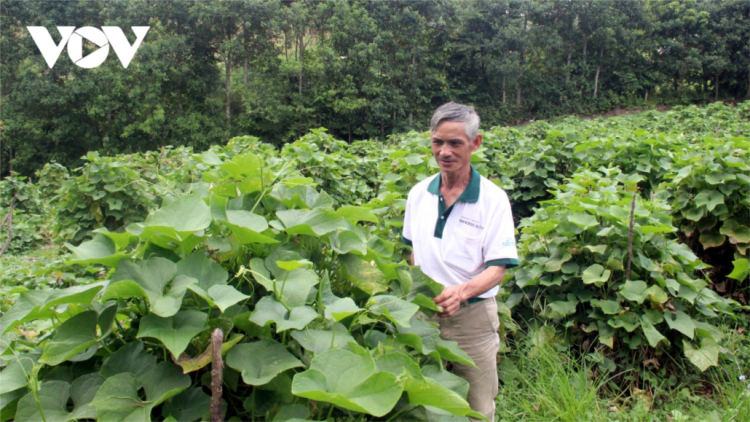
[(451, 299)]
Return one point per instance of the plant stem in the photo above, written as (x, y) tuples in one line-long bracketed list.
[(330, 412), (405, 408)]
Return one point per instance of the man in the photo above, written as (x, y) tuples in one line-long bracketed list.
[(460, 228)]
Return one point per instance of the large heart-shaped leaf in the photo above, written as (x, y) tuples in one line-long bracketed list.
[(152, 277), (737, 233), (117, 400), (72, 337), (27, 308), (348, 380), (247, 227), (16, 374), (99, 250), (425, 338), (53, 398), (741, 269), (653, 336), (595, 274), (681, 322), (261, 361), (365, 276), (190, 405), (268, 310), (164, 381), (341, 308), (397, 310), (318, 341), (175, 331), (129, 358), (705, 356), (709, 198), (315, 222), (187, 215), (202, 268)]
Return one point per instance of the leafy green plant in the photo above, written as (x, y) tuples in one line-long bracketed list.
[(578, 270)]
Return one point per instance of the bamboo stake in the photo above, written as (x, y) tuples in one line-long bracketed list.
[(217, 366)]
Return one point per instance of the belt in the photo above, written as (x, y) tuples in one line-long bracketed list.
[(472, 300)]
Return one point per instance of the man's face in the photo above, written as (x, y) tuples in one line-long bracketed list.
[(452, 148)]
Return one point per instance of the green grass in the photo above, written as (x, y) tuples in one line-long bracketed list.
[(541, 383)]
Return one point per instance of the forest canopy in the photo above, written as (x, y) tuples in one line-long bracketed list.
[(210, 70)]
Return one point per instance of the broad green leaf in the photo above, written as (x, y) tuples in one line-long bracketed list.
[(202, 268), (705, 356), (346, 241), (315, 222), (595, 274), (27, 308), (365, 276), (398, 364), (417, 282), (72, 337), (709, 199), (653, 336), (656, 295), (53, 398), (247, 227), (290, 266), (609, 307), (629, 321), (318, 341), (261, 274), (9, 404), (559, 257), (99, 250), (152, 276), (190, 405), (711, 239), (597, 249), (82, 294), (130, 358), (261, 361), (121, 239), (397, 310), (292, 413), (163, 382), (681, 322), (560, 309), (694, 214), (737, 233), (450, 380), (686, 280), (432, 393), (15, 375), (356, 214), (117, 400), (583, 219), (225, 296), (192, 364), (82, 392), (268, 310), (301, 196), (175, 331), (348, 380), (187, 215), (424, 337), (740, 270), (341, 309)]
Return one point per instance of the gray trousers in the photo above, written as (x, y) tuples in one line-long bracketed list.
[(475, 327)]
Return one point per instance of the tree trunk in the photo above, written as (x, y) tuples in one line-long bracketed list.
[(503, 90), (228, 88), (567, 77), (411, 116), (585, 48), (646, 99), (350, 133), (301, 54), (179, 99), (244, 79), (598, 69)]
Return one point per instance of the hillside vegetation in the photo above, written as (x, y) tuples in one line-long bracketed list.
[(630, 302)]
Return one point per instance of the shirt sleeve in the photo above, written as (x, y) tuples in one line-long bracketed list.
[(406, 229), (500, 244)]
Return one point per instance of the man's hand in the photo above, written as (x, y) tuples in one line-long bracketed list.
[(451, 299)]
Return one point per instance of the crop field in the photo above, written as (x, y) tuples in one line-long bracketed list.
[(630, 303)]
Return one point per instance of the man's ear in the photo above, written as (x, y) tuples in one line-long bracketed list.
[(476, 143)]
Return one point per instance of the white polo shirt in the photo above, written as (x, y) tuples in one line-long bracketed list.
[(454, 244)]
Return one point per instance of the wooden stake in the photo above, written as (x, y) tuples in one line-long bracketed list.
[(217, 366)]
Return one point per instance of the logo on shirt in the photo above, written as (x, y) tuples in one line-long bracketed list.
[(509, 241), (470, 222)]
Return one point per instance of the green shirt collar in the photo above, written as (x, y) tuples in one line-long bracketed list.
[(470, 194)]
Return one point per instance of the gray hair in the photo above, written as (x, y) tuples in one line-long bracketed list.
[(454, 112)]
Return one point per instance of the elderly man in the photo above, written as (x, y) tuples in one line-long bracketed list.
[(460, 228)]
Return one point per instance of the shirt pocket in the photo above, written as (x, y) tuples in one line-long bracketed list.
[(464, 254)]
